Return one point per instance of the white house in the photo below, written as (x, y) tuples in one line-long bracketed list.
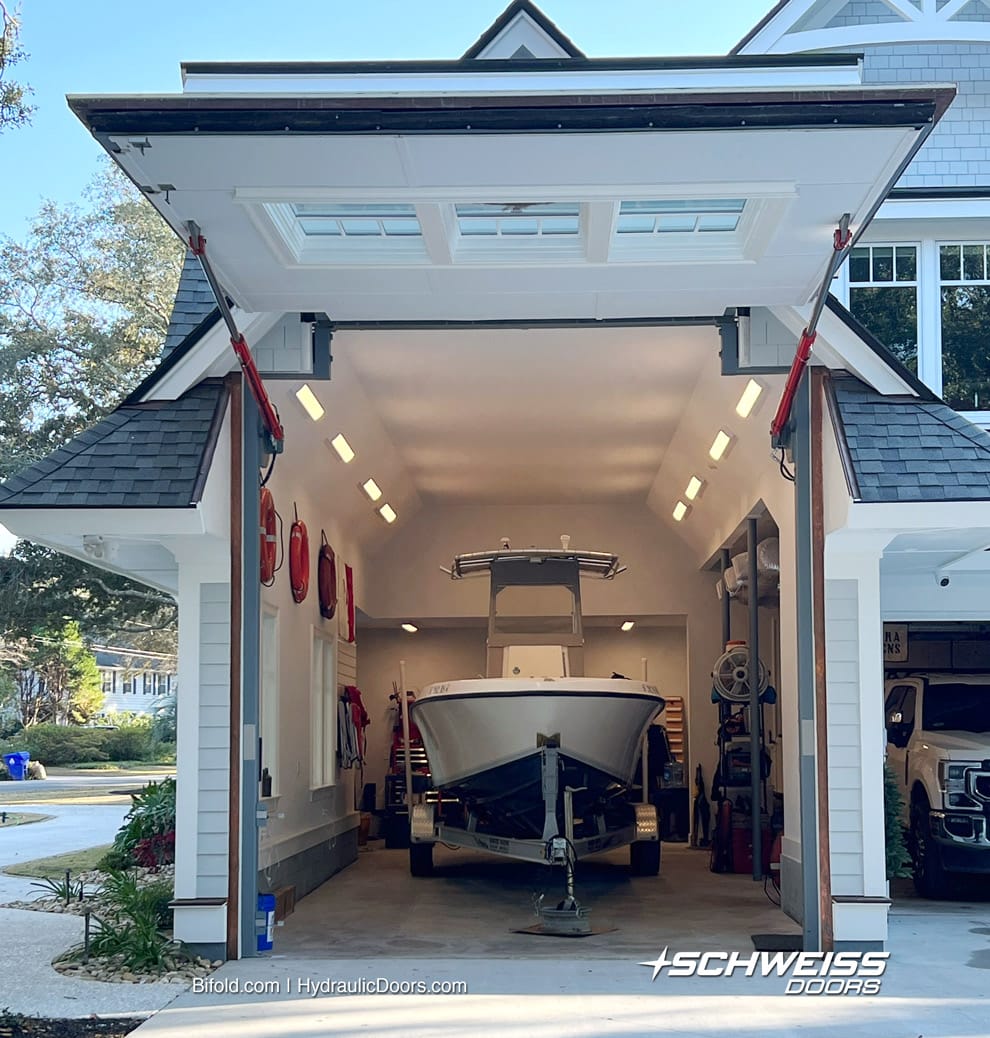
[(547, 281)]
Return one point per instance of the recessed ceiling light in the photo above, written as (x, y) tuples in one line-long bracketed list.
[(387, 512), (680, 510), (410, 628), (693, 488), (310, 404), (372, 489), (628, 625), (343, 448), (748, 399), (719, 445)]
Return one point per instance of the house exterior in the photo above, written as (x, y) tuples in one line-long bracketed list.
[(545, 281), (134, 682)]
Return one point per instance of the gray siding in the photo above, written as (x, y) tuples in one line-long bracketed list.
[(282, 349), (864, 12), (957, 154), (214, 744), (844, 736)]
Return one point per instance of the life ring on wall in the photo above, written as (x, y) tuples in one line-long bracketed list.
[(326, 578), (269, 541), (298, 559)]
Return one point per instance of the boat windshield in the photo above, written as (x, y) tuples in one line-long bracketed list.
[(535, 609)]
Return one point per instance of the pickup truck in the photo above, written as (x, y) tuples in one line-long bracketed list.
[(938, 747)]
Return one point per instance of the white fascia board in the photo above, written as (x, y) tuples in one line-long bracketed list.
[(556, 82), (212, 356), (838, 347), (901, 33), (893, 517), (933, 209), (61, 524)]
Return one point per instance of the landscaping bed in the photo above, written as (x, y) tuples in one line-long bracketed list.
[(14, 1025)]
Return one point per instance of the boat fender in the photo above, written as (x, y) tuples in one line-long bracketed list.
[(298, 558), (326, 577)]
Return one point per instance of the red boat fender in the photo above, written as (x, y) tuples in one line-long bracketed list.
[(326, 578), (298, 559), (359, 715), (268, 538), (349, 590)]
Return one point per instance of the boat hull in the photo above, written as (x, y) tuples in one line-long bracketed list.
[(472, 729)]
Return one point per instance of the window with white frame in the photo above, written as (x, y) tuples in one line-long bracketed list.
[(323, 711), (883, 296), (964, 300), (268, 707)]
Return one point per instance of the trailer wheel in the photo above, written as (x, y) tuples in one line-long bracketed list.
[(644, 858), (421, 859)]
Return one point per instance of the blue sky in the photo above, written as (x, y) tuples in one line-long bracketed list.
[(124, 46)]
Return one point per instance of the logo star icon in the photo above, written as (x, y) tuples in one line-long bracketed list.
[(658, 963)]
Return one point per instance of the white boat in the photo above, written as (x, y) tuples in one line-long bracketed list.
[(536, 750)]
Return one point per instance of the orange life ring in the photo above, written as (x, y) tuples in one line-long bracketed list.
[(298, 560), (326, 576), (269, 541)]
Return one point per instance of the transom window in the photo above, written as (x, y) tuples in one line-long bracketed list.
[(964, 291), (678, 215), (357, 220), (517, 219), (883, 295)]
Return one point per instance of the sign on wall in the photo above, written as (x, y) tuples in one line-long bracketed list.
[(895, 643)]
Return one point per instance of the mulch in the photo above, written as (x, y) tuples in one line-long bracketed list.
[(13, 1025)]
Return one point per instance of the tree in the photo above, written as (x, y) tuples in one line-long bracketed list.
[(14, 109)]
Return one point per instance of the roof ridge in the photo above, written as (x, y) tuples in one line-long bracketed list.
[(931, 409)]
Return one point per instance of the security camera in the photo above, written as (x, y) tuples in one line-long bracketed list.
[(942, 580)]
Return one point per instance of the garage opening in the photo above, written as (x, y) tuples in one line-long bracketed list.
[(475, 437)]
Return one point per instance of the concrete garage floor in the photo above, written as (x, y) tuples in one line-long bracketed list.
[(472, 904)]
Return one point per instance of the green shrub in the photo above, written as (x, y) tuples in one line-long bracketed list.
[(130, 740), (163, 726), (152, 813), (133, 922), (55, 744), (898, 859), (115, 860)]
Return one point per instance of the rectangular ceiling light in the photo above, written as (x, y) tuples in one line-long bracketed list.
[(372, 489), (410, 628), (748, 399), (343, 448), (628, 625), (387, 512), (680, 510), (693, 488), (310, 404), (719, 445)]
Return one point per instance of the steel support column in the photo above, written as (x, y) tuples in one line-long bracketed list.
[(753, 677)]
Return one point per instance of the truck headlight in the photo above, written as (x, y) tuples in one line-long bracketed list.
[(952, 776)]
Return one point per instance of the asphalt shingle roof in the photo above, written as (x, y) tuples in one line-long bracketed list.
[(902, 448), (148, 455), (194, 303)]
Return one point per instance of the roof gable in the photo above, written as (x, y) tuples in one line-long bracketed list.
[(194, 304), (524, 32), (150, 455), (900, 448)]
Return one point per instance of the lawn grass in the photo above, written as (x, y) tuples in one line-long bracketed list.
[(56, 864), (8, 818)]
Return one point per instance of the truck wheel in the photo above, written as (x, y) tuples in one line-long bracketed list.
[(644, 858), (421, 859), (930, 878)]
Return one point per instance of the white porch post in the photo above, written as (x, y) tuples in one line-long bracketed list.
[(854, 658)]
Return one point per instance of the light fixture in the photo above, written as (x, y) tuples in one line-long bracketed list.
[(410, 628), (680, 510), (693, 488), (343, 448), (312, 406), (748, 399), (719, 445), (387, 512), (628, 625), (372, 489)]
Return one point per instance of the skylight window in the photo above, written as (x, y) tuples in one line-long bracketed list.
[(679, 216), (357, 220), (518, 219)]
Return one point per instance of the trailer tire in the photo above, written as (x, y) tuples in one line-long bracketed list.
[(644, 858), (421, 859)]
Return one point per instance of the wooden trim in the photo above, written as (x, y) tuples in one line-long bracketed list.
[(859, 899), (817, 376), (197, 902), (236, 389)]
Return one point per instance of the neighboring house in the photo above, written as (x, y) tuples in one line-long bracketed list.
[(134, 682), (548, 281)]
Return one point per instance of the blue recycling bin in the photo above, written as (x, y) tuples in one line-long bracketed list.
[(266, 922), (17, 764)]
